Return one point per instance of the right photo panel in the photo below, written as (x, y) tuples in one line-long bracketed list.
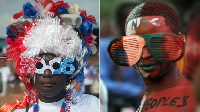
[(149, 56)]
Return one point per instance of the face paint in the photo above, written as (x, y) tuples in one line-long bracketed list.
[(165, 47), (147, 25), (56, 66), (131, 25)]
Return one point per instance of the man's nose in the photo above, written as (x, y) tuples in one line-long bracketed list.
[(145, 53), (47, 73)]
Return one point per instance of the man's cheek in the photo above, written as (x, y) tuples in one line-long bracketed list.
[(136, 68), (156, 72), (141, 72), (153, 74)]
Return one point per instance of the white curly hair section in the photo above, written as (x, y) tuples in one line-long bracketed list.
[(135, 13), (47, 35)]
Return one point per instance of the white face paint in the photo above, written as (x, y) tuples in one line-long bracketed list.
[(131, 25), (153, 22)]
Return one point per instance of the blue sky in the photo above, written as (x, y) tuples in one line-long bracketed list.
[(10, 7)]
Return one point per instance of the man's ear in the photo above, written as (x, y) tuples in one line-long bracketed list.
[(182, 36)]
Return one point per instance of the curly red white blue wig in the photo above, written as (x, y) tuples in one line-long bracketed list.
[(58, 28)]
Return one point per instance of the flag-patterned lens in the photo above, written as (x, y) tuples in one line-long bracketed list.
[(170, 47), (126, 51)]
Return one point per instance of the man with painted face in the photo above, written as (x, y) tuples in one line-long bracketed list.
[(153, 45)]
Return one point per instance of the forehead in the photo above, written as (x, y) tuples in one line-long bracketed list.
[(147, 25), (47, 56)]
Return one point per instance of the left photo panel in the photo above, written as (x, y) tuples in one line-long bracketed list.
[(49, 56)]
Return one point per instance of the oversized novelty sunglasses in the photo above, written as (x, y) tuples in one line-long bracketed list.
[(67, 66), (164, 47)]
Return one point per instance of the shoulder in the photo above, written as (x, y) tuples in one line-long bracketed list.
[(86, 98), (89, 102), (18, 110)]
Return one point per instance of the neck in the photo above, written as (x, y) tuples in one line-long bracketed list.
[(167, 80), (50, 99)]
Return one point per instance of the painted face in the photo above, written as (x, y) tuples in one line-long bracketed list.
[(147, 65)]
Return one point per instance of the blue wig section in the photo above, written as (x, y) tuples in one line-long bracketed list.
[(83, 18), (86, 27), (79, 80), (63, 105), (30, 11), (9, 33), (80, 77), (88, 53), (83, 43), (36, 106), (89, 68), (62, 10)]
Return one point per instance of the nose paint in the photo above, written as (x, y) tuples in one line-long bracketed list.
[(145, 52), (147, 25)]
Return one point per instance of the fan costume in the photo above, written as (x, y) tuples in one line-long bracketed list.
[(57, 29), (153, 45), (87, 103)]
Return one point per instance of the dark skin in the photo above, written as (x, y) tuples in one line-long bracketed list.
[(162, 79), (156, 79), (146, 57), (50, 87)]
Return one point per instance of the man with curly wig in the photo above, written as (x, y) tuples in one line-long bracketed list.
[(48, 54)]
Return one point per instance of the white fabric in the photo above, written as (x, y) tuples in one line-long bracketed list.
[(4, 88), (142, 103), (87, 103), (198, 108), (5, 73), (103, 96)]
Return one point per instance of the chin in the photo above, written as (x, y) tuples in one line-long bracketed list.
[(49, 93), (155, 74)]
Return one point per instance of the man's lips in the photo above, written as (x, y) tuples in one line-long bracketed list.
[(148, 64), (148, 67), (48, 84)]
